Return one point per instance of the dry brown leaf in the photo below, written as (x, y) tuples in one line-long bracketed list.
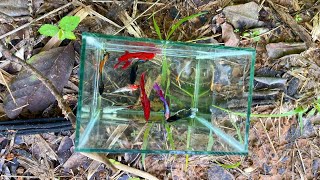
[(243, 16), (14, 8), (229, 37), (41, 149), (41, 171)]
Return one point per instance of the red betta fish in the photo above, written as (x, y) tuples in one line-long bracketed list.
[(128, 57), (145, 102)]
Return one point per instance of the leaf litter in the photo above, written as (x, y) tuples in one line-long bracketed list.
[(56, 64), (274, 52)]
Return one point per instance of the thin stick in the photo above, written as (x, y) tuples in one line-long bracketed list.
[(136, 17), (6, 84), (102, 17), (135, 171), (265, 130), (304, 168), (66, 111), (35, 20), (138, 2), (279, 119)]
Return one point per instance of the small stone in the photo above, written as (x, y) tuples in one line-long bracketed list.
[(64, 149), (293, 86), (266, 168), (295, 131), (281, 170), (308, 129), (316, 167), (218, 173)]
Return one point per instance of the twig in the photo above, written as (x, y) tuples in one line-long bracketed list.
[(304, 168), (135, 171), (66, 111), (136, 18), (6, 84), (100, 158), (265, 130), (138, 2), (115, 166), (35, 20)]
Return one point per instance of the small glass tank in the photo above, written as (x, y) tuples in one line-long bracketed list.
[(150, 96)]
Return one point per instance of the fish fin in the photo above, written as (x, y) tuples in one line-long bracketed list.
[(116, 65), (126, 65)]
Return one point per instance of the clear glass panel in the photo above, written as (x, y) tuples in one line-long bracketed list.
[(201, 84)]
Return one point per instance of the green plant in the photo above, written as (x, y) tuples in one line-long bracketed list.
[(145, 143), (229, 166), (255, 35), (134, 178), (175, 26), (298, 18), (298, 111), (64, 31)]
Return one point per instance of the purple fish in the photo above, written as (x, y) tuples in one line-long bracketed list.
[(165, 104)]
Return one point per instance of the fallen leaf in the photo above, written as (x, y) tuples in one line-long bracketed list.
[(229, 37), (270, 80), (41, 148), (75, 161), (243, 16), (55, 64), (277, 50), (63, 151), (14, 8)]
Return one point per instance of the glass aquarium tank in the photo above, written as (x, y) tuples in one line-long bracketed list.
[(150, 96)]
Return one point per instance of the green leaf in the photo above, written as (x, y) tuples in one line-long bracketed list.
[(145, 144), (69, 35), (229, 166), (134, 178), (210, 141), (176, 25), (317, 106), (246, 34), (300, 119), (112, 161), (61, 34), (156, 27), (169, 136), (256, 39), (48, 30), (69, 23), (289, 113)]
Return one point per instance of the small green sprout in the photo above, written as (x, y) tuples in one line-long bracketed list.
[(255, 35), (64, 31), (298, 18)]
